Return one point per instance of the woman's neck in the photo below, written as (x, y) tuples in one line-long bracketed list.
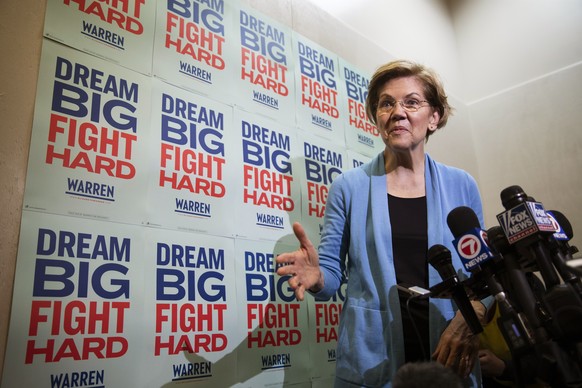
[(405, 175)]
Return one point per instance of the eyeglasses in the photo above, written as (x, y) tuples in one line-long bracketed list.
[(408, 104)]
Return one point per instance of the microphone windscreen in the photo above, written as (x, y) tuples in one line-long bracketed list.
[(461, 220), (439, 257), (564, 223)]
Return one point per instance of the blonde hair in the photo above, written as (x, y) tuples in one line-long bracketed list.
[(434, 91)]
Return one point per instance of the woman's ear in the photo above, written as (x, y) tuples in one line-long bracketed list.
[(433, 121)]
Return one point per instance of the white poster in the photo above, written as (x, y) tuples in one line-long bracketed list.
[(320, 108), (190, 317), (322, 161), (192, 181), (323, 331), (356, 159), (194, 46), (89, 138), (361, 135), (275, 348), (268, 197), (119, 31), (77, 311), (265, 70)]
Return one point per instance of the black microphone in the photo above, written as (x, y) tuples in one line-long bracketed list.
[(528, 227), (561, 250), (563, 234), (518, 288), (472, 247), (518, 285), (525, 223), (440, 258)]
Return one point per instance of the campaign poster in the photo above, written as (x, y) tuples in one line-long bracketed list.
[(265, 75), (323, 331), (361, 134), (190, 316), (89, 138), (192, 183), (320, 109), (194, 44), (268, 189), (321, 162), (77, 311), (119, 31), (275, 345), (356, 159)]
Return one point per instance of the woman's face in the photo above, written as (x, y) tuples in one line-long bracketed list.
[(401, 129)]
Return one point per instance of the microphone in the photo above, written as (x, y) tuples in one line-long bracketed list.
[(528, 227), (561, 250), (518, 286), (440, 258), (471, 244), (563, 234), (563, 227), (524, 222), (470, 240)]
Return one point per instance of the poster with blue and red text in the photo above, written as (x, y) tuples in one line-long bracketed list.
[(192, 185), (275, 346), (89, 138), (324, 331), (265, 82), (317, 82), (77, 312), (268, 189), (321, 162), (119, 31), (174, 144), (356, 159), (191, 318), (194, 46), (361, 134)]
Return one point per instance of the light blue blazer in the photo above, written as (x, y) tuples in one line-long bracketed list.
[(356, 242)]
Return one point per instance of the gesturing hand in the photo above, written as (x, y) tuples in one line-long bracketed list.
[(302, 265)]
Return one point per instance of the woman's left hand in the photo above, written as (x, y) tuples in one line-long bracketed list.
[(458, 347)]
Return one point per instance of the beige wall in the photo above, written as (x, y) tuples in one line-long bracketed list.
[(505, 43), (21, 24), (531, 136)]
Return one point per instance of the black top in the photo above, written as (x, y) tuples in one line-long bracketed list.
[(408, 218)]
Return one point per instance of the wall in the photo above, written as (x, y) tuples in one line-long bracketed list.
[(503, 44), (21, 24), (530, 136), (523, 71)]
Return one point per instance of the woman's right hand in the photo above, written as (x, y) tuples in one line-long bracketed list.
[(302, 265)]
